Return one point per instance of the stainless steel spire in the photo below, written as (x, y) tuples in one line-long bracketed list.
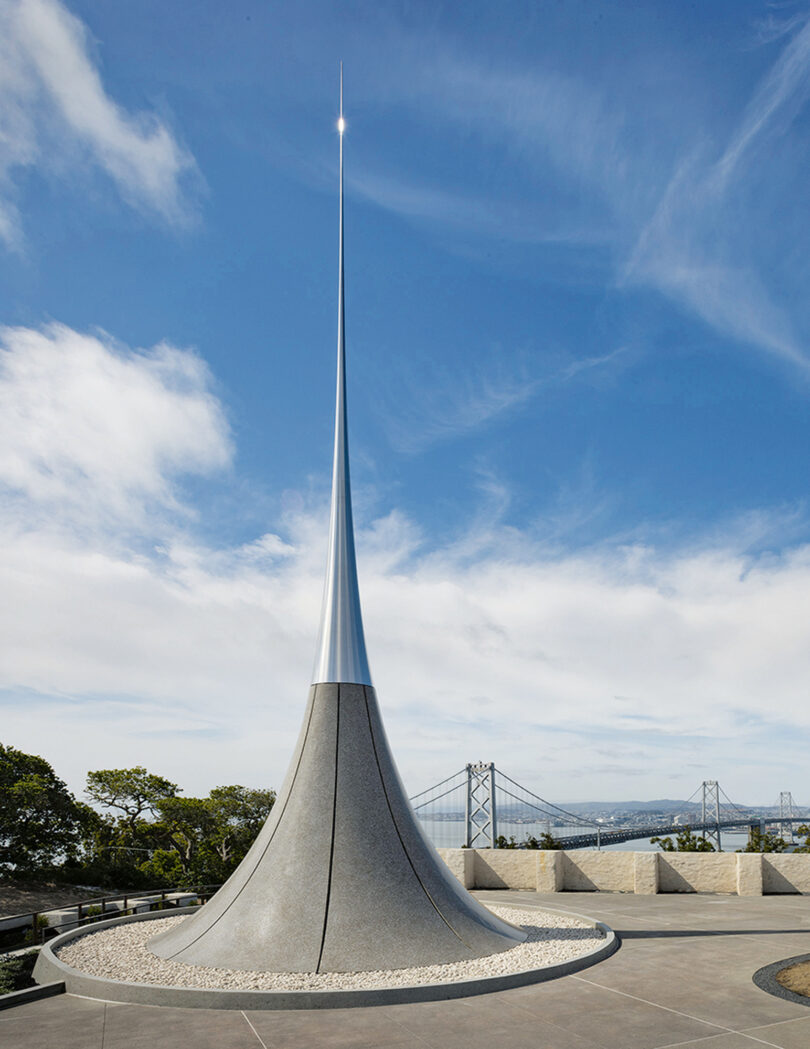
[(341, 878), (341, 652)]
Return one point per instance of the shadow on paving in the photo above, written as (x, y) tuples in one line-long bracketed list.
[(656, 934)]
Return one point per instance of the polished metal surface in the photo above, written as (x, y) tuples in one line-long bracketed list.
[(341, 878), (341, 652)]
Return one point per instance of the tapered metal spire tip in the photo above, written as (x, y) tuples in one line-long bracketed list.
[(341, 653), (341, 124)]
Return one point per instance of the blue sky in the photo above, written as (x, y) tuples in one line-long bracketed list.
[(577, 319)]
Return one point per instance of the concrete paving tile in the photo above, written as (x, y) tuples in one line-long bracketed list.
[(332, 1028), (714, 989), (723, 1041), (609, 1018), (790, 1034), (464, 1016), (72, 1027), (536, 1034), (670, 984), (731, 1009), (156, 1027), (60, 1004)]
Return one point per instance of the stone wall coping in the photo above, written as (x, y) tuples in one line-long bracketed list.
[(642, 873)]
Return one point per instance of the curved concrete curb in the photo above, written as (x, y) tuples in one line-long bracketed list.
[(50, 968), (765, 979)]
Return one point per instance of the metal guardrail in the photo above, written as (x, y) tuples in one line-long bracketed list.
[(35, 931)]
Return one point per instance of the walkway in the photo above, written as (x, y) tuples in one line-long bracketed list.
[(682, 978)]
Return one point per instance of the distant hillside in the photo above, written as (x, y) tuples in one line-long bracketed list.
[(661, 805)]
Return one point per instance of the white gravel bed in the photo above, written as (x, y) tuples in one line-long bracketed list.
[(120, 953)]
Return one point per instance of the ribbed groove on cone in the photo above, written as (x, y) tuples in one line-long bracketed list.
[(341, 877), (394, 821), (332, 845)]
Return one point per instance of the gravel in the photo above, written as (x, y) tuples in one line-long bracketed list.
[(121, 953)]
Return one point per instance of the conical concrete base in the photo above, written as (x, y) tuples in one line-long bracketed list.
[(341, 877)]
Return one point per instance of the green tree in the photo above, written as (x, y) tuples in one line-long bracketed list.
[(239, 814), (126, 836), (545, 841), (132, 792), (151, 835), (763, 842), (41, 823), (805, 830), (685, 841), (113, 852), (212, 835)]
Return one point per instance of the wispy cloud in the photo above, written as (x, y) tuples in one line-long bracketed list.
[(448, 406), (53, 104), (776, 101), (452, 405), (690, 207), (694, 248), (525, 221), (680, 253)]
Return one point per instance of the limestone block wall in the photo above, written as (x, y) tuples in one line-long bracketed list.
[(786, 872), (697, 871), (592, 871), (503, 869), (643, 873)]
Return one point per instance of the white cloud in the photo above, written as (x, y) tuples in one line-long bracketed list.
[(97, 430), (133, 641), (53, 104), (196, 661)]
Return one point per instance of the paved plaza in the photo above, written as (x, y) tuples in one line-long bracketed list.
[(681, 978)]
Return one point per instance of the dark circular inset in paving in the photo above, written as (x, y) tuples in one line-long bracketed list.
[(49, 968), (765, 979)]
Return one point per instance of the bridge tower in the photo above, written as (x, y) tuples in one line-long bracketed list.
[(480, 816), (786, 813), (710, 811)]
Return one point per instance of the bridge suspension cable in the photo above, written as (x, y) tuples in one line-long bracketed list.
[(431, 800), (558, 811), (473, 804), (441, 783)]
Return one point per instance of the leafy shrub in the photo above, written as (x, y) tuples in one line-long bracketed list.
[(15, 972)]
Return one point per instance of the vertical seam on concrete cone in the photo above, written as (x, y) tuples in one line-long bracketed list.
[(332, 844), (396, 828), (246, 882)]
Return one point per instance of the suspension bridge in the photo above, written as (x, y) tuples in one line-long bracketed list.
[(478, 800)]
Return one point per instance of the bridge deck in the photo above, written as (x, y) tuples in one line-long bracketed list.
[(620, 834)]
